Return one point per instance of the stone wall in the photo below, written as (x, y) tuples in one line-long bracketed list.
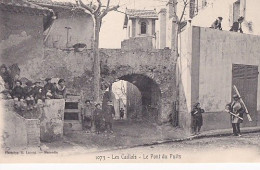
[(17, 131), (51, 120), (155, 65), (76, 68), (138, 43)]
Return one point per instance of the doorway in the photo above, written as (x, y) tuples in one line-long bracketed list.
[(245, 77)]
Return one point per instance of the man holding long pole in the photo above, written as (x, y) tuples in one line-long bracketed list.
[(236, 112)]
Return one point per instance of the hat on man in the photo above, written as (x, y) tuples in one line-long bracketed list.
[(241, 18), (220, 18), (19, 82), (29, 83), (235, 96), (109, 103), (37, 82), (98, 104), (87, 101), (47, 79), (3, 66)]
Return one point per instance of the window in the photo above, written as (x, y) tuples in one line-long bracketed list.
[(234, 12), (194, 8), (143, 27), (204, 3)]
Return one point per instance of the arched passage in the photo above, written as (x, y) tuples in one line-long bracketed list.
[(150, 96)]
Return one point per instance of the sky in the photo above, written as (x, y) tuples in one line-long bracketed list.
[(112, 32)]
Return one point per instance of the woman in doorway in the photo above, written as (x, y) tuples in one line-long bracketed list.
[(197, 120)]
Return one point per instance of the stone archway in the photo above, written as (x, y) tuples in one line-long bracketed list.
[(150, 96)]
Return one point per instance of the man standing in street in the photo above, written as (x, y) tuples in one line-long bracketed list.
[(236, 108), (109, 113)]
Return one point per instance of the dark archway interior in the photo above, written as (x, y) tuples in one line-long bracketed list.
[(149, 105), (150, 92)]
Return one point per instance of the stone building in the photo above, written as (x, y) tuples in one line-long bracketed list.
[(210, 63), (21, 33), (69, 25), (21, 40)]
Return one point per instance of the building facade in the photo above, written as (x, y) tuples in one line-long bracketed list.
[(68, 26), (210, 63)]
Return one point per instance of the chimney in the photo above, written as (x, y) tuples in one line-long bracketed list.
[(162, 30)]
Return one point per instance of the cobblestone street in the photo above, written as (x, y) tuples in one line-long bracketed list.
[(126, 134)]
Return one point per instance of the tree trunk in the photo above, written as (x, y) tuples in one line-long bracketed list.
[(96, 67)]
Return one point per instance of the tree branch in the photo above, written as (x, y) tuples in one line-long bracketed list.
[(108, 2), (86, 7), (99, 7), (183, 11), (114, 8)]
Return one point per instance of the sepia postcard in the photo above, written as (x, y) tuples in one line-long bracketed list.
[(129, 81)]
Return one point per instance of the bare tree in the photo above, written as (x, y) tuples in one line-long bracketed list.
[(98, 12), (177, 21)]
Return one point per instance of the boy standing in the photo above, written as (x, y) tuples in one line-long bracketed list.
[(97, 117)]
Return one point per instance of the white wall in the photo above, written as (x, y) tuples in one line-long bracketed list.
[(81, 31), (218, 51)]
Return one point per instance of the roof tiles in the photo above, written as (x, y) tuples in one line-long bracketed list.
[(21, 3), (137, 13)]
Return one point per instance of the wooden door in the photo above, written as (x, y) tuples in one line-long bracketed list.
[(245, 77)]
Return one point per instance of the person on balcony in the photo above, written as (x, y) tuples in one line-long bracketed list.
[(237, 25), (217, 23)]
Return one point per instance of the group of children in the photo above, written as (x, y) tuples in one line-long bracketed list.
[(31, 93), (99, 118)]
